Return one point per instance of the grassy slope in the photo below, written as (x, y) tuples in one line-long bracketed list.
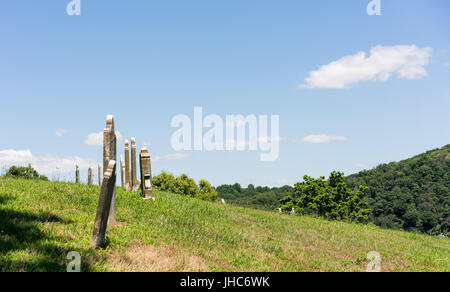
[(40, 222)]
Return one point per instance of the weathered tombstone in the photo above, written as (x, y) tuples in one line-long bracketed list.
[(146, 174), (90, 176), (110, 153), (99, 175), (122, 171), (223, 201), (134, 183), (293, 211), (127, 166), (104, 205), (77, 174), (279, 210)]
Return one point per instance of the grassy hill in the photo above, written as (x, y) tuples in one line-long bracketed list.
[(40, 222)]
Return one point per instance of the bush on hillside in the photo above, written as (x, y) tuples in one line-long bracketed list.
[(264, 198), (207, 192), (331, 199), (24, 172), (186, 186), (165, 182)]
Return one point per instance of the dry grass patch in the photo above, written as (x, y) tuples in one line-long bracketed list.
[(145, 258)]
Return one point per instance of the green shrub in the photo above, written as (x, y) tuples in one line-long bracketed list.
[(24, 173), (287, 203), (330, 198), (207, 193), (165, 182), (186, 186)]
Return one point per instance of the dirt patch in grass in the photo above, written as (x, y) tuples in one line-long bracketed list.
[(145, 258)]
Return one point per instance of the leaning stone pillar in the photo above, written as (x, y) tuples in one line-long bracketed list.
[(127, 166), (104, 205), (146, 174), (77, 174), (90, 176), (122, 171), (110, 153), (134, 183)]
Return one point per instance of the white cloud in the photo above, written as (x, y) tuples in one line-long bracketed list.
[(407, 62), (119, 136), (146, 144), (283, 181), (244, 143), (61, 132), (362, 165), (272, 139), (47, 164), (322, 138), (96, 139), (174, 156), (15, 157)]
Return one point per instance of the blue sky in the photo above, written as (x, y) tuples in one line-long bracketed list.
[(147, 61)]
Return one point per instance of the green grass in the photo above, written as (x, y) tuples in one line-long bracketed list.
[(40, 222)]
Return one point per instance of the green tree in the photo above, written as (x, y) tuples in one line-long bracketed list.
[(287, 203), (186, 186), (207, 192), (330, 198), (165, 182), (25, 173)]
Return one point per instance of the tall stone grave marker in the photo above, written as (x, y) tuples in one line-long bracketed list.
[(122, 171), (110, 153), (77, 174), (104, 205), (90, 176), (127, 166), (134, 183), (99, 175), (146, 174)]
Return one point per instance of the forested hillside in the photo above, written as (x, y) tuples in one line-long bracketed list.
[(413, 194), (263, 198)]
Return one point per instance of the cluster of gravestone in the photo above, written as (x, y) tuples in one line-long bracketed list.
[(90, 180), (292, 211), (106, 210)]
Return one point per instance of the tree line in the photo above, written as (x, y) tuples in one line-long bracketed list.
[(412, 195)]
